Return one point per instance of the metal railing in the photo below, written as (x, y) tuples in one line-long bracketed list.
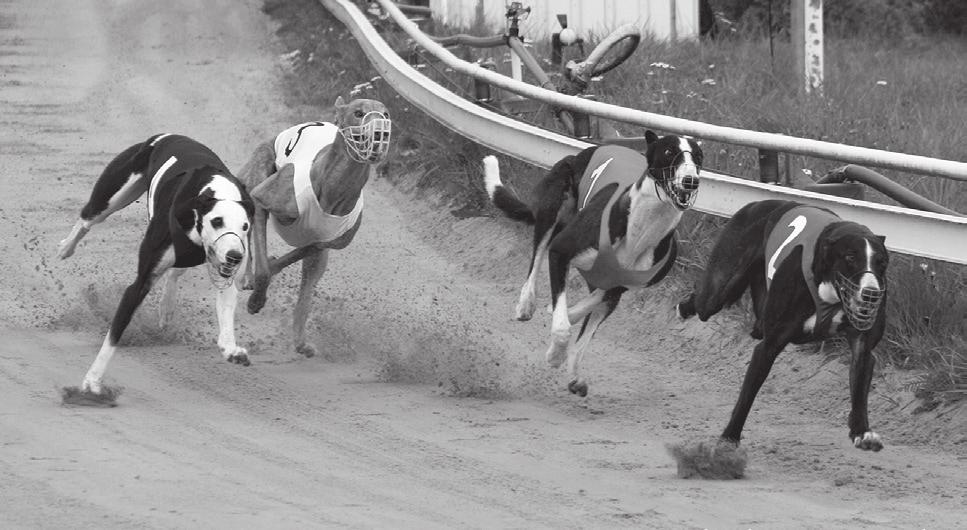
[(931, 235)]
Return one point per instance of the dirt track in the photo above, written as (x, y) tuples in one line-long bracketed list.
[(434, 409)]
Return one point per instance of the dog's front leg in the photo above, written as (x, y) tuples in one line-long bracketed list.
[(584, 307), (313, 267), (763, 357), (260, 261), (225, 304), (130, 301), (169, 294), (607, 301), (860, 376)]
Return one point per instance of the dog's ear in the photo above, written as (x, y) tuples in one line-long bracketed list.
[(339, 104), (650, 137), (882, 239), (248, 205), (823, 259)]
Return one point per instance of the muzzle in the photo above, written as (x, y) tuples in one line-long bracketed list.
[(369, 141), (681, 190), (861, 304), (222, 273)]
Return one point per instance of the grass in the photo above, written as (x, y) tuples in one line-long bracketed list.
[(909, 96)]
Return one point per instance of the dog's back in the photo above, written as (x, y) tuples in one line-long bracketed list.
[(736, 259)]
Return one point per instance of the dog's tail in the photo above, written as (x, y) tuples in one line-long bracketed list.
[(503, 198)]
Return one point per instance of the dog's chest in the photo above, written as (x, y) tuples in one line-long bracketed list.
[(649, 221), (827, 294)]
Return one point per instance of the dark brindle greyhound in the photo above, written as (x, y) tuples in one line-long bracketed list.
[(309, 183)]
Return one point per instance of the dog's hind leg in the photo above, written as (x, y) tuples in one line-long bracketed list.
[(578, 385), (558, 264), (169, 295), (313, 267), (526, 304), (120, 184)]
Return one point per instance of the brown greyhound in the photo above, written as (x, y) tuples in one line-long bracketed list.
[(309, 182)]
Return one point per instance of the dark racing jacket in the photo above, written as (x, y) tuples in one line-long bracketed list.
[(801, 227), (614, 165)]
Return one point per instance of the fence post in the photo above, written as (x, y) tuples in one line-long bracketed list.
[(806, 32), (481, 89), (769, 166)]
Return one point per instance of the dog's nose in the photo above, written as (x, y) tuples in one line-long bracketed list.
[(690, 182), (233, 257)]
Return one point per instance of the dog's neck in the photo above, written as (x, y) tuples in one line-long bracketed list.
[(337, 179)]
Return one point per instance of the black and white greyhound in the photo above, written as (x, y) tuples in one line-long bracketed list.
[(197, 212), (811, 275), (610, 212)]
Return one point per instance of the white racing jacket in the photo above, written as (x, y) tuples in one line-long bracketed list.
[(299, 145)]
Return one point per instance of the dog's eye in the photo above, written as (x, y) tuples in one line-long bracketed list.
[(359, 114), (668, 152), (218, 222), (851, 259), (245, 227)]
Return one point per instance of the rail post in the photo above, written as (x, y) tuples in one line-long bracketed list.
[(769, 166)]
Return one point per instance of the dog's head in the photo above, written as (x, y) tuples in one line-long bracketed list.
[(220, 225), (854, 260), (366, 127), (674, 162)]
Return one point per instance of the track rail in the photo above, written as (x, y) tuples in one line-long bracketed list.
[(930, 235)]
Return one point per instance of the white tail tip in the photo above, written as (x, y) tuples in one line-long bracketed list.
[(491, 174)]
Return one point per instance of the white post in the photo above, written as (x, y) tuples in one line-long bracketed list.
[(673, 22), (807, 41), (515, 66)]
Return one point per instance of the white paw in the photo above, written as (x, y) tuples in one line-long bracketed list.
[(557, 351), (65, 249), (870, 441), (92, 386), (525, 308), (236, 355)]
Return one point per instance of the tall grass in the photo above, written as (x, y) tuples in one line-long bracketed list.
[(909, 97)]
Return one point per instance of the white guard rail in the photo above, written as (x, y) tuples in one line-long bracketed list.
[(930, 235)]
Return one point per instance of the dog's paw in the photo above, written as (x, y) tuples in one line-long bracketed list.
[(870, 441), (556, 353), (525, 308), (65, 249), (306, 349), (91, 386), (236, 355), (579, 388), (685, 310), (256, 301)]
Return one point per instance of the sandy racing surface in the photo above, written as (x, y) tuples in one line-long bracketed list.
[(431, 407)]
